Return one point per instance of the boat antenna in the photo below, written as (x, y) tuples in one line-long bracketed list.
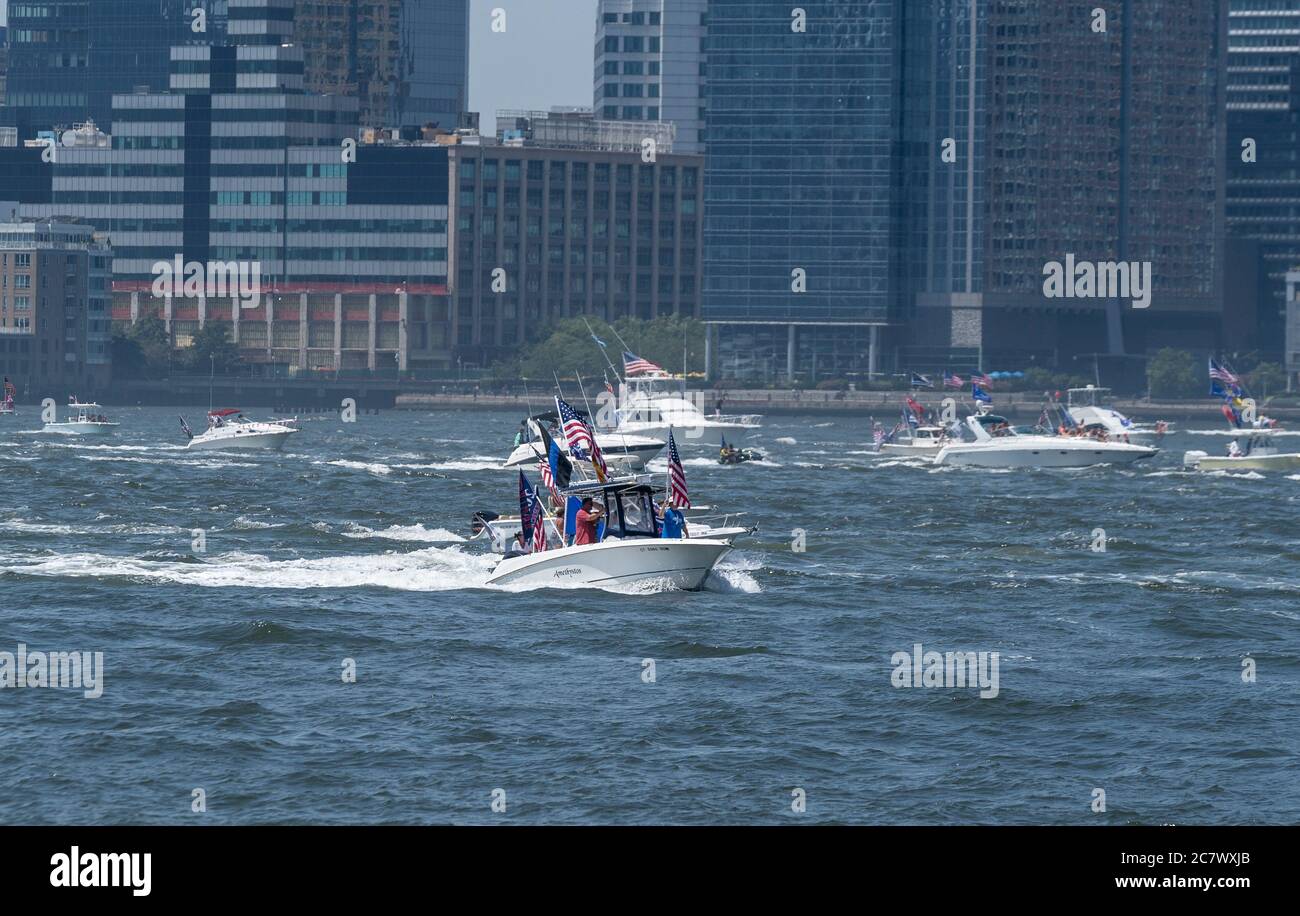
[(601, 345), (212, 376)]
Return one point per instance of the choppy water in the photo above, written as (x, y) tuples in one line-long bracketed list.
[(1118, 670)]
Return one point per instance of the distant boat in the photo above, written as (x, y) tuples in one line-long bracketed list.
[(996, 444), (655, 403), (84, 420), (229, 431), (1259, 453)]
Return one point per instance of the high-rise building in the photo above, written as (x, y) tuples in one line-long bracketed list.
[(67, 58), (406, 61), (920, 165), (801, 187), (54, 317), (651, 65), (1263, 203)]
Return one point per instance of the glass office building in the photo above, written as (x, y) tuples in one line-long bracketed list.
[(406, 61), (67, 58), (801, 185)]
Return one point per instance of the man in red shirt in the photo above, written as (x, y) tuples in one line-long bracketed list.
[(585, 522)]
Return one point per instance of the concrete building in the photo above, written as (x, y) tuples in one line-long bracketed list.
[(651, 65), (54, 315)]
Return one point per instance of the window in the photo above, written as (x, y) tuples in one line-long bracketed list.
[(633, 43), (611, 44), (632, 112), (633, 67), (611, 68), (655, 18), (654, 45)]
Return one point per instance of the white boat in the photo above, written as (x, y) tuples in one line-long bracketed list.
[(1088, 408), (229, 431), (84, 420), (996, 444), (925, 441), (652, 404), (1256, 450), (630, 452), (500, 531), (630, 551)]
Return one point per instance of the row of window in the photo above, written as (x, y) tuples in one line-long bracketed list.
[(632, 44), (601, 173), (632, 90)]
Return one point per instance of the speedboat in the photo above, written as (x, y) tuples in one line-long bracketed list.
[(730, 455), (1259, 453), (925, 441), (1088, 408), (228, 430), (84, 420), (996, 444), (631, 452), (653, 404), (630, 550)]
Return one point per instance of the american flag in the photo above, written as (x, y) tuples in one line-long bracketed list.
[(548, 478), (582, 441), (982, 380), (677, 494), (1222, 374), (539, 524), (878, 435), (635, 365), (952, 381)]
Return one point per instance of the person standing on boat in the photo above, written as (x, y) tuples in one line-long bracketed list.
[(585, 522), (1234, 449)]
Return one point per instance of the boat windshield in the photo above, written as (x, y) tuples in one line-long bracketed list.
[(637, 510)]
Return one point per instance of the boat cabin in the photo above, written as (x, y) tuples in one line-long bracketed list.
[(1092, 396), (629, 508)]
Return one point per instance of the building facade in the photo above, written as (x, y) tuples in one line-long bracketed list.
[(406, 61), (69, 57), (651, 65), (1263, 158), (55, 335), (573, 231), (904, 175)]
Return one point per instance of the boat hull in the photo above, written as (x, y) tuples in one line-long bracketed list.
[(74, 428), (922, 451), (1281, 462), (679, 564), (1040, 456), (252, 441), (709, 434)]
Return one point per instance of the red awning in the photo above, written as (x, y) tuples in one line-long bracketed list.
[(224, 412)]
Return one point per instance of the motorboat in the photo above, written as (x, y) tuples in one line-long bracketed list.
[(1089, 407), (995, 443), (628, 451), (731, 455), (83, 420), (1256, 450), (630, 550), (7, 404), (229, 431), (654, 403), (924, 441)]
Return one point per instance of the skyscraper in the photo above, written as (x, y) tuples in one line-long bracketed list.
[(68, 57), (406, 61), (1263, 157), (650, 65)]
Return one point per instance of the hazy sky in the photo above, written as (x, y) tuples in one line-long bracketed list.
[(543, 58)]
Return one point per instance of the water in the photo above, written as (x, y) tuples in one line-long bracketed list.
[(223, 670)]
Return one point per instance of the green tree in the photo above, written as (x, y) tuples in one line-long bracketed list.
[(1266, 379), (212, 347), (1173, 373), (568, 347)]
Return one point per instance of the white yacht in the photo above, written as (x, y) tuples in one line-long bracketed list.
[(996, 444), (628, 451), (652, 404), (1088, 407), (228, 430), (631, 551), (924, 441), (83, 420), (1256, 450)]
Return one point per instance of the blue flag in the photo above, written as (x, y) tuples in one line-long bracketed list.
[(527, 501), (980, 395)]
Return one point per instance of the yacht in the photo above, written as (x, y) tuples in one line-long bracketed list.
[(631, 550), (1256, 450), (628, 452), (924, 441), (228, 430), (652, 404), (996, 444), (1088, 407), (84, 420)]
